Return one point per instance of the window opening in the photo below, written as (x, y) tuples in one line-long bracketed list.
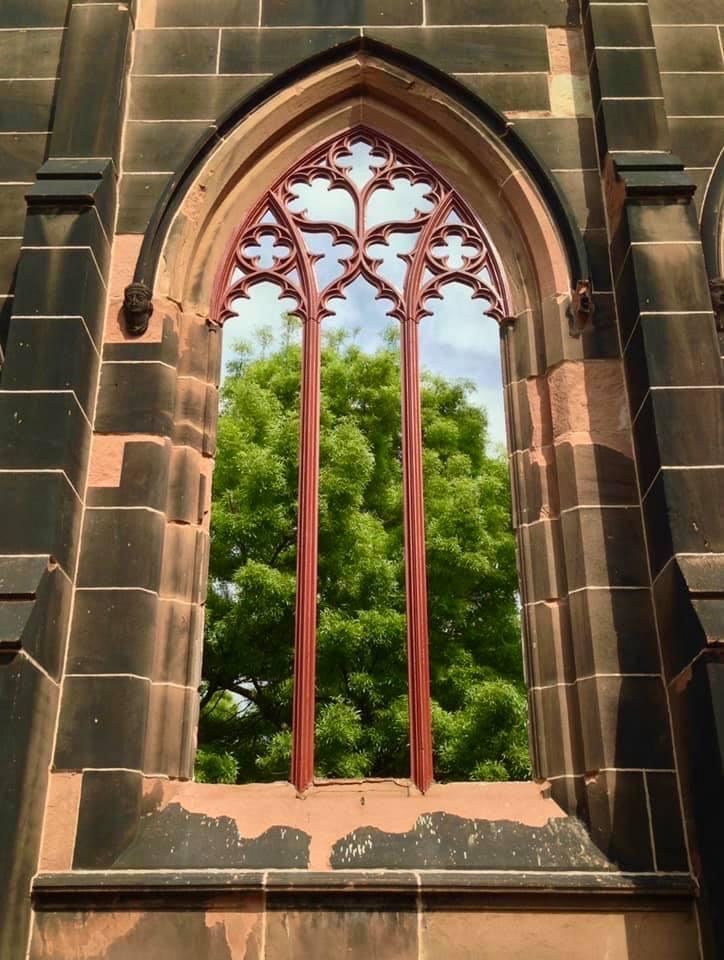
[(479, 703), (361, 220)]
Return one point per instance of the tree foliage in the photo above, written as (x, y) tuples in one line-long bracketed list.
[(479, 706)]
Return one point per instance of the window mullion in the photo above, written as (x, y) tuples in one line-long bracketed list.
[(418, 658), (305, 626)]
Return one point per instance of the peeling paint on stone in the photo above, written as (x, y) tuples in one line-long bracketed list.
[(183, 935), (175, 839), (324, 813), (441, 841)]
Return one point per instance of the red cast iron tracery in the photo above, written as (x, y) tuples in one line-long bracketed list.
[(274, 246)]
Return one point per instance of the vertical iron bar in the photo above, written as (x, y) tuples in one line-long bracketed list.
[(305, 625), (418, 658)]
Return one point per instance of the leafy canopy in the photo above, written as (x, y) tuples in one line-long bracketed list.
[(479, 706)]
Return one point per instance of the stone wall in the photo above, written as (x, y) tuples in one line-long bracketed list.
[(106, 446), (688, 44), (31, 39)]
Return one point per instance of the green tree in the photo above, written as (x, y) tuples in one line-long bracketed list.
[(479, 705)]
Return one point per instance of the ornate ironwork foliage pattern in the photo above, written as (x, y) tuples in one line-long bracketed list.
[(445, 244)]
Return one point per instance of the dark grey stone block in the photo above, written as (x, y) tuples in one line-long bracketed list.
[(596, 244), (682, 633), (114, 631), (175, 51), (331, 13), (613, 631), (12, 209), (667, 822), (187, 98), (697, 140), (692, 95), (71, 286), (625, 723), (562, 143), (25, 105), (582, 189), (551, 13), (472, 49), (92, 74), (211, 13), (44, 431), (679, 428), (623, 125), (688, 48), (102, 723), (661, 278), (619, 820), (604, 547), (136, 398), (684, 513), (29, 53), (252, 51), (37, 624), (39, 13), (592, 473), (51, 354), (160, 147), (695, 11), (56, 227), (512, 91), (108, 817), (9, 256), (619, 25), (121, 548), (544, 559), (557, 730), (625, 73), (139, 195), (28, 703), (21, 154), (41, 514)]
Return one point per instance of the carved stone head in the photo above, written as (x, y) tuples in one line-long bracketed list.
[(580, 311), (137, 308), (717, 300)]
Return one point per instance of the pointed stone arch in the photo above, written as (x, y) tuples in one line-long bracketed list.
[(476, 151), (362, 81)]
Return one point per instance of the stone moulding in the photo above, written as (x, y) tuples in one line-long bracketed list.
[(365, 51), (590, 891)]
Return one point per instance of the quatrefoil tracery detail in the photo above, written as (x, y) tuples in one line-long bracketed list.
[(367, 179)]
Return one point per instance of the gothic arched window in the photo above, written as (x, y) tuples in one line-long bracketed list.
[(398, 227)]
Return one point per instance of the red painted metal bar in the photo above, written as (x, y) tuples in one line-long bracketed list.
[(418, 657), (305, 626)]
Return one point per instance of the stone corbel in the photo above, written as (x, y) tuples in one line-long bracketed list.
[(580, 310), (137, 308), (716, 287)]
